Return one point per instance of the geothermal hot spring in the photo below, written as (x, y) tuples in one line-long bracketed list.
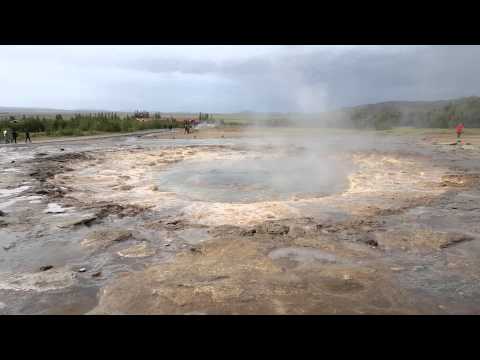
[(256, 179), (310, 225)]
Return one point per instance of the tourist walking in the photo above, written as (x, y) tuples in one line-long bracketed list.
[(459, 130)]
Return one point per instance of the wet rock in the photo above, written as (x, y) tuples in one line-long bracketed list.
[(176, 224), (248, 232), (297, 231), (119, 210), (454, 239), (195, 250), (2, 213), (369, 240), (419, 268), (224, 230), (53, 208), (39, 281), (137, 251), (275, 228), (46, 267), (83, 220), (105, 238), (302, 254), (9, 246)]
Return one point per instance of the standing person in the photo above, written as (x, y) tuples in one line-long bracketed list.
[(14, 136), (459, 130), (5, 132), (27, 136)]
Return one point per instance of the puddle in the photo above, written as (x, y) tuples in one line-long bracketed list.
[(193, 235), (302, 255)]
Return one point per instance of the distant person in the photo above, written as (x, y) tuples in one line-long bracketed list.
[(187, 128), (459, 130), (14, 136), (27, 136), (5, 139)]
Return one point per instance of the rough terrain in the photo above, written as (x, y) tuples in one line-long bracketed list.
[(91, 227)]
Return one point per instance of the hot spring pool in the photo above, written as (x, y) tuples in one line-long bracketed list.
[(254, 180)]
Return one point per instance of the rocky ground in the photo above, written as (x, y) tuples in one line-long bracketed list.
[(86, 227)]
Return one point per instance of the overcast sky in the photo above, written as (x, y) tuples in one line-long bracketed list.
[(233, 78)]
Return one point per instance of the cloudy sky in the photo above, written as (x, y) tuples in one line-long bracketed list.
[(233, 78)]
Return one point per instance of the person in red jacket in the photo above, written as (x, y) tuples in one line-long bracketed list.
[(459, 130)]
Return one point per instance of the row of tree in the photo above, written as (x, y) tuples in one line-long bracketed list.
[(444, 114), (84, 124)]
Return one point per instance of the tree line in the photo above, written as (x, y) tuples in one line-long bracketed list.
[(85, 124)]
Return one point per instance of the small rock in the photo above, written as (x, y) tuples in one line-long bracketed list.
[(2, 213), (46, 267), (419, 268), (62, 149), (249, 232), (276, 229), (195, 250), (82, 220), (11, 162), (347, 277), (167, 244), (369, 240), (82, 270), (97, 274), (53, 208), (9, 246), (154, 188), (397, 268)]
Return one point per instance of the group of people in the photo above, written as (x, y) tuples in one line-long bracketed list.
[(12, 135), (188, 124)]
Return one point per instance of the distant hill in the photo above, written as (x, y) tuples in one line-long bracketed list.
[(422, 114)]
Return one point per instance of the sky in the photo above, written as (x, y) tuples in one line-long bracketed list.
[(233, 78)]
